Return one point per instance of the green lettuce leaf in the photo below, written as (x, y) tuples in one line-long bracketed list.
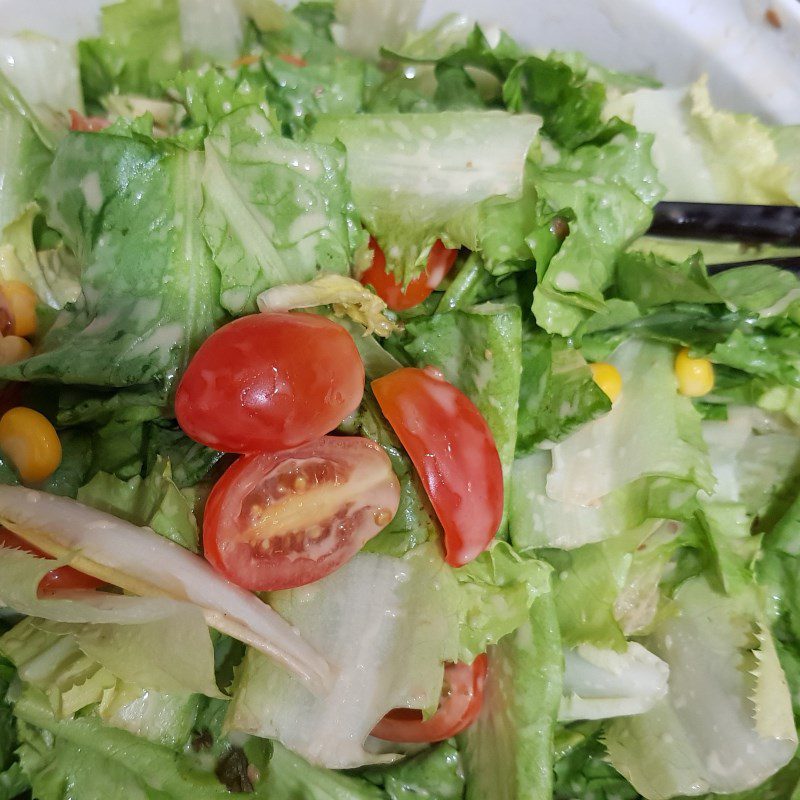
[(435, 772), (478, 350), (96, 760), (558, 392), (387, 635), (495, 593), (140, 47), (726, 724), (611, 190), (151, 642), (396, 164), (52, 274), (25, 156), (600, 683), (508, 751), (12, 781), (281, 218), (45, 71), (126, 209), (154, 501)]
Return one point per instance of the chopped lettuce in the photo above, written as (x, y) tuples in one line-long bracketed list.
[(148, 288), (421, 177), (726, 724), (650, 432), (275, 211), (96, 760), (387, 635), (477, 349), (140, 47), (610, 189), (45, 71), (601, 683), (508, 751), (152, 642), (154, 501)]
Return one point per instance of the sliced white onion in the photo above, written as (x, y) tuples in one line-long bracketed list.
[(144, 563)]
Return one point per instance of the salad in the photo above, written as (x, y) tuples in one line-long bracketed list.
[(358, 443)]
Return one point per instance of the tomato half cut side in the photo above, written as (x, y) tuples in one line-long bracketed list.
[(461, 702), (281, 520), (440, 262), (58, 580), (269, 382), (454, 453)]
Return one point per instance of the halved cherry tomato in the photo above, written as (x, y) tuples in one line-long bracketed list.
[(78, 122), (462, 698), (58, 580), (440, 262), (270, 382), (454, 452), (280, 520)]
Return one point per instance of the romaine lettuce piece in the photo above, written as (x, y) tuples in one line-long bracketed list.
[(275, 211), (601, 683), (611, 190), (421, 177), (154, 642), (726, 724), (478, 350), (96, 760), (387, 635), (558, 393), (651, 431), (153, 501), (45, 71), (363, 27), (129, 211), (508, 751), (140, 47)]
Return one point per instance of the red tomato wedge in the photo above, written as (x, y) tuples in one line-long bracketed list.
[(78, 122), (58, 580), (270, 382), (462, 698), (281, 520), (454, 452), (440, 262)]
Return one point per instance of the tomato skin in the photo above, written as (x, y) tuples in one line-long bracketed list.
[(58, 580), (269, 382), (462, 699), (79, 122), (282, 520), (440, 262), (454, 453)]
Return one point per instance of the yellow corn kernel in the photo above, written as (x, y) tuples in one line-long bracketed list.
[(695, 375), (607, 377), (31, 442), (21, 301), (13, 349)]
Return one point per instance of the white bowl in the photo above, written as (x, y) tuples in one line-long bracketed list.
[(753, 65)]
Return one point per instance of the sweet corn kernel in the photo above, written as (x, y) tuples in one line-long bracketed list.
[(13, 349), (695, 375), (20, 301), (31, 442), (607, 377)]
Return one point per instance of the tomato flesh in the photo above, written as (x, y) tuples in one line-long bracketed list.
[(281, 520), (270, 382), (454, 453), (461, 702), (57, 580), (440, 262), (79, 122)]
